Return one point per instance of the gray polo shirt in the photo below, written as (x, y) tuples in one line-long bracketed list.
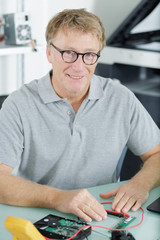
[(43, 139)]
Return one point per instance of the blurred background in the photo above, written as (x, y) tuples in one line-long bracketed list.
[(111, 12)]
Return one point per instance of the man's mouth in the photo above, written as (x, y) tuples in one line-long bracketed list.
[(75, 77)]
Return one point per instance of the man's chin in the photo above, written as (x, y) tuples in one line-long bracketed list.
[(75, 90)]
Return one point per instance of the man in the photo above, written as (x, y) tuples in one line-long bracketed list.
[(66, 131)]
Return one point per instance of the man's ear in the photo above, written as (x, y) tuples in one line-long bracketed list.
[(48, 53)]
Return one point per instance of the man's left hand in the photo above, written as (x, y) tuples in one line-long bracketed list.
[(130, 195)]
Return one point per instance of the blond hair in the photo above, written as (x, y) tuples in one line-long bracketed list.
[(76, 19)]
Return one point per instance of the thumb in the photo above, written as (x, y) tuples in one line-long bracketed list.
[(109, 194)]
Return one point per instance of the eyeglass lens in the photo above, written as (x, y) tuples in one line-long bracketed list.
[(71, 56), (68, 56)]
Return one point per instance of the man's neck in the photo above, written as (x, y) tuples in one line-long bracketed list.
[(75, 99)]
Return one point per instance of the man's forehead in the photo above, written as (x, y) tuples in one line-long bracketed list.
[(69, 37), (67, 32)]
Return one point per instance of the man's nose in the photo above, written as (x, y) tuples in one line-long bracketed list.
[(78, 65)]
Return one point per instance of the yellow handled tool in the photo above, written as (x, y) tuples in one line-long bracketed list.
[(22, 229)]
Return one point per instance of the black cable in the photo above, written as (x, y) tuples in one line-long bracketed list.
[(121, 235)]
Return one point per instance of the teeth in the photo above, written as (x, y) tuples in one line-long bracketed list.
[(76, 77)]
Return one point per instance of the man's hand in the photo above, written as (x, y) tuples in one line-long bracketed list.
[(31, 194), (80, 203), (130, 195), (135, 192)]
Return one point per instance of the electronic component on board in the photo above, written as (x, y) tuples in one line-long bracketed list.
[(55, 227), (124, 223)]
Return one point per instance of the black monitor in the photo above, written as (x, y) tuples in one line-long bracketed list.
[(123, 36)]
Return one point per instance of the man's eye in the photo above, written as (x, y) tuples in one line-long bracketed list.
[(69, 52), (88, 54)]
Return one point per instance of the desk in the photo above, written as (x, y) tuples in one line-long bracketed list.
[(148, 230)]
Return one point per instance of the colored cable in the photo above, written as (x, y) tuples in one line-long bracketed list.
[(97, 226), (115, 213)]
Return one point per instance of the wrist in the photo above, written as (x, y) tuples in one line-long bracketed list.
[(53, 197), (141, 182)]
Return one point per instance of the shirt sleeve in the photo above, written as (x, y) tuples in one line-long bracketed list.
[(144, 133), (11, 133)]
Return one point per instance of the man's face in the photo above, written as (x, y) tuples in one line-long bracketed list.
[(71, 79)]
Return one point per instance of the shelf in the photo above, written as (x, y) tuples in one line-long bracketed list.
[(135, 57), (9, 49)]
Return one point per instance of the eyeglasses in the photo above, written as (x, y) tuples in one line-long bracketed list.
[(69, 56)]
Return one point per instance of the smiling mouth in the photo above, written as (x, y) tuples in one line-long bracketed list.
[(75, 77)]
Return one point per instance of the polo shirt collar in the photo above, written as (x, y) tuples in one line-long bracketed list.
[(46, 90), (96, 89), (48, 94)]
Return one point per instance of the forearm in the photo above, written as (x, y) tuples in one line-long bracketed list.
[(149, 175), (20, 192)]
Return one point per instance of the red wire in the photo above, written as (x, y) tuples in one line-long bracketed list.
[(72, 236), (121, 228), (123, 214), (111, 229)]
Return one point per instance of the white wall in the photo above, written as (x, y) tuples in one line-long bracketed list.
[(8, 64)]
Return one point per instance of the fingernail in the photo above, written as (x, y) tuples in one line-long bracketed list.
[(134, 209), (99, 218), (90, 220), (124, 210), (104, 216)]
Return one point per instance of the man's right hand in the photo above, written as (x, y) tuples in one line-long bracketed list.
[(20, 192), (80, 203)]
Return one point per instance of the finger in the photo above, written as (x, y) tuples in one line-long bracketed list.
[(137, 205), (91, 213), (109, 194), (140, 201), (129, 204), (101, 211), (118, 202), (98, 208), (82, 215), (87, 214)]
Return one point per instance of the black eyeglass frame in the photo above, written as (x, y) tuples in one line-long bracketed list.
[(77, 54)]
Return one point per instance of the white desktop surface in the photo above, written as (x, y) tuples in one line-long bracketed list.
[(148, 230)]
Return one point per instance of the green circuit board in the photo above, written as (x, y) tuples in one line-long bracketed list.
[(56, 227), (124, 222)]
